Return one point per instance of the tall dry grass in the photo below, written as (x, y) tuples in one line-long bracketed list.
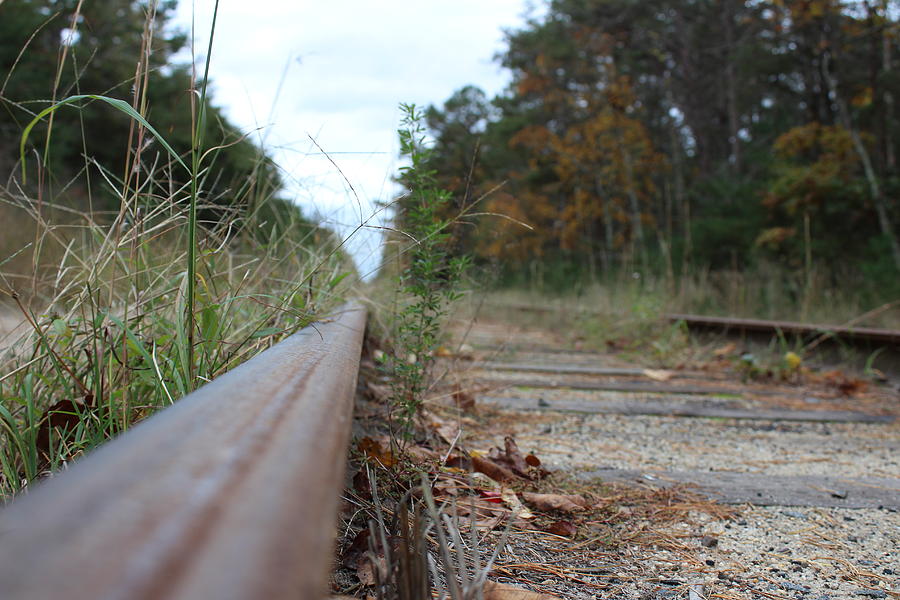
[(126, 311)]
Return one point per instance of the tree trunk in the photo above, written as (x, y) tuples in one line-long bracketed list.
[(734, 141), (887, 97), (881, 210), (635, 206)]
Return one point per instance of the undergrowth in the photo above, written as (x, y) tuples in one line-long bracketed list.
[(130, 310)]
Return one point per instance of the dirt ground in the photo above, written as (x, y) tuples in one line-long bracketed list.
[(805, 467)]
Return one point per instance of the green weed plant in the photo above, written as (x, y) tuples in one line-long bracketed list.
[(429, 277)]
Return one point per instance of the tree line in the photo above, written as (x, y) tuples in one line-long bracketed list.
[(685, 132)]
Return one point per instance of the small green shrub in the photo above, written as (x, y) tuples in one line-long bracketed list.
[(429, 275)]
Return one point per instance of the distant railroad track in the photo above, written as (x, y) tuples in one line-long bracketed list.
[(789, 328), (231, 492), (810, 332)]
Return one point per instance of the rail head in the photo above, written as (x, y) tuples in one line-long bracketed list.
[(868, 334), (232, 492)]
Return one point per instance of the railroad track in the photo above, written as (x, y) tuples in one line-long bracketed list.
[(232, 492), (811, 332), (850, 334), (868, 340)]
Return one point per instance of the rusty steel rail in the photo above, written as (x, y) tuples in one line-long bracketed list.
[(230, 493), (855, 334)]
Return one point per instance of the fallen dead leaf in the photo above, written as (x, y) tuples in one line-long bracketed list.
[(419, 454), (377, 450), (556, 502), (502, 591), (354, 553), (361, 485), (492, 469), (64, 415), (464, 400), (658, 375), (459, 462), (513, 502), (510, 457), (618, 344), (726, 350), (846, 386), (562, 528)]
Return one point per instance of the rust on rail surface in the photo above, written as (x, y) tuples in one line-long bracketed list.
[(867, 334), (230, 493)]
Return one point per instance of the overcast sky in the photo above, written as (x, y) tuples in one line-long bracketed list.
[(337, 71)]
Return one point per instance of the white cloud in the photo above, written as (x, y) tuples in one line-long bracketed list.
[(343, 67)]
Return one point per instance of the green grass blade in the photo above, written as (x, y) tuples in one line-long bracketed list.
[(116, 103)]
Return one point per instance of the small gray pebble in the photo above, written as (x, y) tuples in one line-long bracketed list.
[(794, 587), (871, 593), (794, 514)]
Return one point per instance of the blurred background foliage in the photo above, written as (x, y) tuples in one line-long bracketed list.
[(682, 136), (88, 147)]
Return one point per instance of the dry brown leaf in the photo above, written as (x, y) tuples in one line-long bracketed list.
[(377, 450), (517, 461), (64, 415), (510, 458), (558, 502), (726, 350), (418, 454), (460, 462), (562, 528), (513, 502), (356, 550), (502, 591), (464, 400), (658, 375), (492, 469), (845, 385)]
